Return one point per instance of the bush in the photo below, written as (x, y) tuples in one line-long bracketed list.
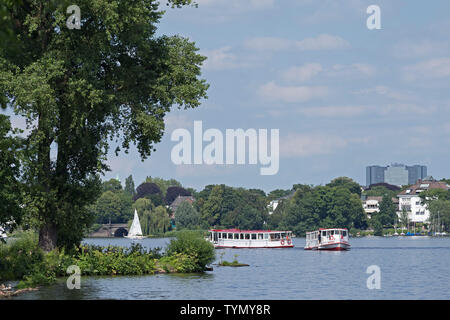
[(193, 245), (20, 256)]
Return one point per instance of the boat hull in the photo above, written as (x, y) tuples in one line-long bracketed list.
[(252, 247), (134, 237), (338, 246)]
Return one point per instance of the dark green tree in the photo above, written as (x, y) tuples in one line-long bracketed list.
[(387, 215), (186, 217), (113, 206), (78, 89), (113, 185), (347, 183), (129, 186), (10, 187)]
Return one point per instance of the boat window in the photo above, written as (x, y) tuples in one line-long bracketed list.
[(224, 235), (253, 236), (220, 235), (266, 236), (324, 233), (260, 236), (344, 233), (242, 236), (332, 232), (277, 236), (230, 236), (236, 235), (283, 235)]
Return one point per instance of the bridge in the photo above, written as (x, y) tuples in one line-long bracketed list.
[(111, 230)]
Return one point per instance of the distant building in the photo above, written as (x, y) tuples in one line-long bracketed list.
[(179, 200), (395, 174), (274, 203), (374, 175), (371, 204), (410, 199)]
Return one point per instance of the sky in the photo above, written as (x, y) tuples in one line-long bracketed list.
[(342, 96)]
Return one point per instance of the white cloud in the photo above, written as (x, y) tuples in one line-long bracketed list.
[(240, 5), (220, 59), (335, 111), (418, 49), (302, 73), (431, 69), (310, 70), (355, 69), (274, 92), (305, 145), (387, 92), (321, 42)]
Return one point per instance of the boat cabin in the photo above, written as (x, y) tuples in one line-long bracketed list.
[(332, 238), (235, 238)]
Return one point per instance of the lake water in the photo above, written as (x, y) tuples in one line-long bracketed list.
[(411, 268)]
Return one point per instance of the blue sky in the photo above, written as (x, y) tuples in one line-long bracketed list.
[(342, 96)]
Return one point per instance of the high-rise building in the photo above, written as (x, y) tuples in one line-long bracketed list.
[(374, 174), (395, 174)]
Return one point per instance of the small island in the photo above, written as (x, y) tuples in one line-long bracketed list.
[(234, 263)]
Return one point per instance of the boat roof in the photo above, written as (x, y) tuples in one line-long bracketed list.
[(245, 231), (324, 229)]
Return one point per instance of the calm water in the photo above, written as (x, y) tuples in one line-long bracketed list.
[(411, 268)]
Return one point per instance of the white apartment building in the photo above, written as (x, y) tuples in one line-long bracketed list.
[(410, 200)]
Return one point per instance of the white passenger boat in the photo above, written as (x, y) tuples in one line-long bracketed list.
[(334, 239), (235, 238)]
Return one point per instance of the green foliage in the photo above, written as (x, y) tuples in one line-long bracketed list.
[(221, 205), (377, 225), (116, 206), (129, 187), (440, 214), (186, 216), (23, 260), (113, 79), (154, 221), (380, 191), (197, 248), (278, 193), (347, 183), (112, 185), (10, 187), (163, 184), (19, 256), (320, 207), (387, 215)]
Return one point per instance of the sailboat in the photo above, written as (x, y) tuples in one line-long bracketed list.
[(135, 229)]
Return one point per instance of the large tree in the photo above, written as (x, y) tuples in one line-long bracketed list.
[(78, 89)]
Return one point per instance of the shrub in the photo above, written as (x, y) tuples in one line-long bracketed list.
[(191, 244), (20, 256)]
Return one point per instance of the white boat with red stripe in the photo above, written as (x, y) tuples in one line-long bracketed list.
[(333, 239), (236, 238)]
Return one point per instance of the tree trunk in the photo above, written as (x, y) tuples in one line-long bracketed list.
[(48, 237)]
